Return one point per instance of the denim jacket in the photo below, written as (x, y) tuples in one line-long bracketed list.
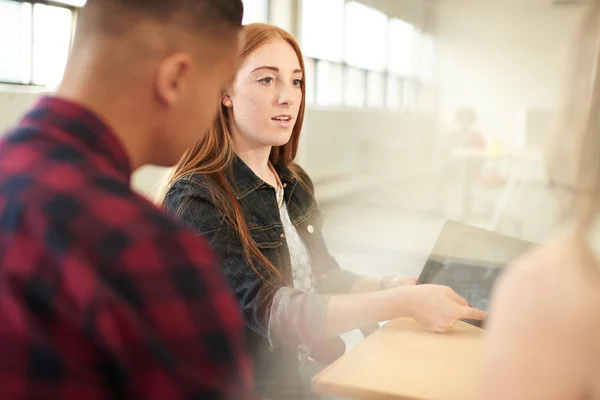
[(276, 365)]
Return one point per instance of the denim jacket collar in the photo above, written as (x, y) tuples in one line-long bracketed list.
[(245, 181)]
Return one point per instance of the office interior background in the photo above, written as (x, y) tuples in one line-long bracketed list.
[(385, 79)]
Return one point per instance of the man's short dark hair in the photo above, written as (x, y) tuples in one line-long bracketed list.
[(194, 14)]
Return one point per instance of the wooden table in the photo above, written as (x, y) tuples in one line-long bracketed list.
[(402, 361)]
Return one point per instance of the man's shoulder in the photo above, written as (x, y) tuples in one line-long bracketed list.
[(114, 203), (105, 219), (76, 197)]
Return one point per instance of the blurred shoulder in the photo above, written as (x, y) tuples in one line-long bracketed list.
[(553, 284)]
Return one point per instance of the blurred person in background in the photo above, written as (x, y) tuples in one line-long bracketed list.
[(461, 160), (465, 134)]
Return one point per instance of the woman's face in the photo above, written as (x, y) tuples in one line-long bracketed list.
[(265, 97)]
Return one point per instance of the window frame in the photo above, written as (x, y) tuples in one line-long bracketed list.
[(71, 8), (269, 11), (403, 79), (74, 10)]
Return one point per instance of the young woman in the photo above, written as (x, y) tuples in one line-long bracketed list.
[(543, 339), (240, 188)]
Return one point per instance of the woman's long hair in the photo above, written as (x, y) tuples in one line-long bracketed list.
[(574, 154), (212, 156)]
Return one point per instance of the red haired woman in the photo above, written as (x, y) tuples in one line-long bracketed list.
[(240, 188)]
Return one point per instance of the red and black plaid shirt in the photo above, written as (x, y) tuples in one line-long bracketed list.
[(102, 295)]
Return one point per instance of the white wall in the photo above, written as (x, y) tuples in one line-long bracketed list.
[(14, 101), (412, 11), (501, 56), (354, 143)]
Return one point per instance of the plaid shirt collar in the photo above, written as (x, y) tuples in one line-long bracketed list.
[(83, 127)]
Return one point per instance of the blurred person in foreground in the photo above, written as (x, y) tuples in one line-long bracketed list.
[(543, 337), (103, 295)]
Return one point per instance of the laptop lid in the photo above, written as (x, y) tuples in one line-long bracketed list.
[(469, 260)]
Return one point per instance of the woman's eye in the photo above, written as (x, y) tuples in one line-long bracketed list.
[(266, 81), (297, 82)]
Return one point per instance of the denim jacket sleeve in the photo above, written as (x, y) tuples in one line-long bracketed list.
[(281, 314)]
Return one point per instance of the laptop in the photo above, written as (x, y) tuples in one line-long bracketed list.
[(469, 260)]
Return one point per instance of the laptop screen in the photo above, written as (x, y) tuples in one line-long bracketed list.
[(470, 260)]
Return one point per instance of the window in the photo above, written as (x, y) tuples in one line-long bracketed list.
[(255, 11), (365, 37), (393, 92), (354, 87), (322, 29), (401, 47), (329, 83), (309, 80), (15, 42), (427, 58), (375, 90), (34, 42), (51, 43), (359, 57), (409, 94), (71, 3), (427, 100)]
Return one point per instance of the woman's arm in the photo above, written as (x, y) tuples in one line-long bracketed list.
[(371, 284), (287, 316), (437, 308), (338, 279)]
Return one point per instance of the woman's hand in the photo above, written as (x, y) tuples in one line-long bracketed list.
[(438, 308)]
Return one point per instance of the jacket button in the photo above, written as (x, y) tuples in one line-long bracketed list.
[(284, 185), (310, 229), (282, 236)]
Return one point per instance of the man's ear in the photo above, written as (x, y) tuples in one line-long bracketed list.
[(172, 78)]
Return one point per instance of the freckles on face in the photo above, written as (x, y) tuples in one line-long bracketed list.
[(267, 94), (252, 105)]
